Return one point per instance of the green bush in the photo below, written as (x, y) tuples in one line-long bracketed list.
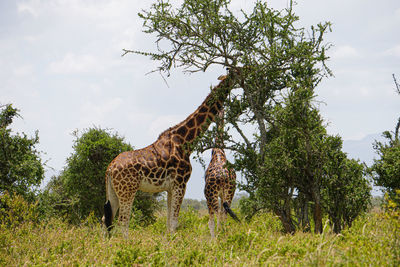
[(15, 210)]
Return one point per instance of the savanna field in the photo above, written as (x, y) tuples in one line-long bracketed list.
[(264, 109), (373, 240)]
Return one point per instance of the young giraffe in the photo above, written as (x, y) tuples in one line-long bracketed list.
[(163, 165), (220, 184)]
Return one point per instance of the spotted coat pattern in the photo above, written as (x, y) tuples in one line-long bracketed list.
[(165, 164), (220, 185)]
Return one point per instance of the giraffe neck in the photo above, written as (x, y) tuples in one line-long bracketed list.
[(197, 123), (219, 139)]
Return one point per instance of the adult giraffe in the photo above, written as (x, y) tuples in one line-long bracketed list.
[(163, 165)]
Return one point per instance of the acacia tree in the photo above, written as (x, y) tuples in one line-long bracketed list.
[(264, 46), (21, 168)]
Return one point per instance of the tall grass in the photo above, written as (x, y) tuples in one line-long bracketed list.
[(370, 241)]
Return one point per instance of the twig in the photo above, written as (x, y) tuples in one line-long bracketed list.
[(126, 51), (397, 85)]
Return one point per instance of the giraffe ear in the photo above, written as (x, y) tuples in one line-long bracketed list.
[(222, 77)]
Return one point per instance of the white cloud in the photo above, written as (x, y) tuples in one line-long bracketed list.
[(394, 51), (107, 13), (72, 63), (28, 7), (23, 70), (93, 113), (345, 52), (397, 12)]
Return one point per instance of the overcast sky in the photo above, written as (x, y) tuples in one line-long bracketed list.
[(61, 65)]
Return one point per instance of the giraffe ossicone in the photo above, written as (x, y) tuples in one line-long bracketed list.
[(165, 164)]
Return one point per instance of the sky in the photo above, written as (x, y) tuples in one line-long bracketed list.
[(61, 66)]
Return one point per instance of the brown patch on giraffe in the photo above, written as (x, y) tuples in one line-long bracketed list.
[(181, 171), (177, 139), (200, 119), (203, 109), (173, 161), (151, 164), (179, 179), (164, 155), (182, 131), (191, 123), (191, 135), (186, 178), (214, 110), (145, 171), (159, 173), (137, 166), (219, 105), (210, 116)]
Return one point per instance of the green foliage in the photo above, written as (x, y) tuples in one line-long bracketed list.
[(21, 168), (392, 213), (15, 210), (386, 169), (195, 204), (80, 188), (346, 191), (369, 241)]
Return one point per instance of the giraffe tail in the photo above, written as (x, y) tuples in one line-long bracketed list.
[(108, 215), (230, 212), (111, 205)]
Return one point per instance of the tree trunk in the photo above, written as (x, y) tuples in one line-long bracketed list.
[(337, 226), (305, 222), (286, 220), (302, 213), (317, 217), (317, 209)]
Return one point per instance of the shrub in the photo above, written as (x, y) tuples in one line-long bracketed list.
[(15, 210)]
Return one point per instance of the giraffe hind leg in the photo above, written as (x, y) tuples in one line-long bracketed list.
[(211, 224), (125, 211), (212, 204)]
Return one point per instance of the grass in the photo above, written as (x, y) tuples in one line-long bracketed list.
[(373, 240)]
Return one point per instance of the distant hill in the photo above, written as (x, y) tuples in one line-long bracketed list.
[(362, 149)]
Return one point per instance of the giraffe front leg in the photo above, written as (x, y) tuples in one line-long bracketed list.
[(169, 210), (176, 199)]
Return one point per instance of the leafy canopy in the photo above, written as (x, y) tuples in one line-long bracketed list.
[(21, 168)]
